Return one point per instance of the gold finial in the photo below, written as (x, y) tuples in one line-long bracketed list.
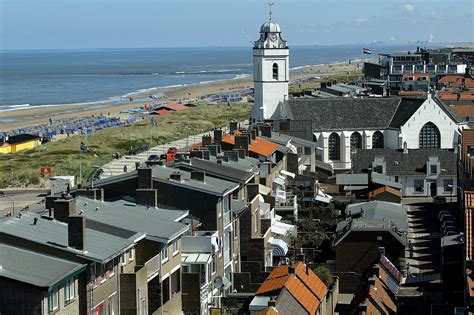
[(270, 4)]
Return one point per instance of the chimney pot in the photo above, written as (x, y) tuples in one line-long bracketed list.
[(206, 140), (63, 208), (176, 176), (217, 136)]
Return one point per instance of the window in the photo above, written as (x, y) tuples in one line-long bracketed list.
[(164, 254), (214, 264), (69, 290), (377, 140), (131, 254), (176, 282), (378, 169), (448, 185), (307, 151), (419, 185), (356, 141), (53, 302), (275, 71), (429, 136), (166, 290), (433, 169), (334, 147), (123, 260), (175, 247)]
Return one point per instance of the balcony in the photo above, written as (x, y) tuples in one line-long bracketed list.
[(227, 217), (153, 267)]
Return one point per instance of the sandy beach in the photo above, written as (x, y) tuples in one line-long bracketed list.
[(37, 115)]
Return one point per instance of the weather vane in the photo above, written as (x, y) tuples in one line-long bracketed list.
[(270, 4)]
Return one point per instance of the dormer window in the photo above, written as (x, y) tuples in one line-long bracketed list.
[(433, 169), (275, 71)]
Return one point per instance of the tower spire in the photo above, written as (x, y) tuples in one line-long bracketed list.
[(270, 4)]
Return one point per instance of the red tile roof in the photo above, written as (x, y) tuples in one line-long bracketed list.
[(162, 112), (258, 146), (415, 76), (455, 96), (176, 107), (405, 93), (383, 189), (462, 110), (304, 286), (451, 80)]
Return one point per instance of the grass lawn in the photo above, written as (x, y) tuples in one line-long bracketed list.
[(22, 169)]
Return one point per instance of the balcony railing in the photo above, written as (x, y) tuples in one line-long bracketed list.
[(153, 266)]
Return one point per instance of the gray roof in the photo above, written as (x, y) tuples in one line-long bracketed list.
[(248, 164), (238, 206), (353, 113), (168, 213), (381, 210), (398, 163), (35, 268), (282, 139), (223, 171), (211, 185), (100, 246), (138, 219)]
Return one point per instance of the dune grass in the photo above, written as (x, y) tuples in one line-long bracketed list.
[(22, 169)]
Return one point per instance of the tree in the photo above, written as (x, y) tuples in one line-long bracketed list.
[(325, 275)]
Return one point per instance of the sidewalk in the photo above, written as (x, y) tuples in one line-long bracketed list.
[(116, 167)]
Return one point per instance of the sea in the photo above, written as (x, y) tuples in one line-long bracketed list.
[(31, 78)]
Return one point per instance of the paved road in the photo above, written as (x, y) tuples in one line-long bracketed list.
[(32, 200), (116, 167), (424, 234)]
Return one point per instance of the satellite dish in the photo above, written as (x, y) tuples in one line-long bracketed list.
[(219, 282)]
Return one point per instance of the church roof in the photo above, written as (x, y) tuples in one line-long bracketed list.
[(270, 27), (354, 113)]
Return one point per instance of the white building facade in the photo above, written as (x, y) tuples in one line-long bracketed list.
[(271, 72)]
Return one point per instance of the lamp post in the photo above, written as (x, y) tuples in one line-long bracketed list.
[(13, 203)]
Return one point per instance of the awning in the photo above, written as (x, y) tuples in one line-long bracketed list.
[(279, 181), (280, 248), (290, 174), (195, 258), (284, 229)]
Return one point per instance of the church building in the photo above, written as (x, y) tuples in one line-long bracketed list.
[(271, 71)]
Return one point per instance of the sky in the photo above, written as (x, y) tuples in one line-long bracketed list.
[(82, 24)]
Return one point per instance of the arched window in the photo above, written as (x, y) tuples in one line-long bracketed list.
[(356, 141), (429, 136), (275, 71), (334, 147), (377, 140)]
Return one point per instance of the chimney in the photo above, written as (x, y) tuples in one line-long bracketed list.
[(225, 158), (214, 149), (217, 136), (266, 131), (248, 134), (232, 155), (405, 148), (196, 154), (253, 134), (76, 230), (94, 193), (176, 176), (145, 180), (206, 154), (252, 191), (219, 161), (271, 303), (291, 269), (206, 140), (198, 176), (63, 208), (233, 126), (147, 197), (242, 142), (241, 153)]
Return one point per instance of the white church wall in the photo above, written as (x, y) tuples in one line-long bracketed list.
[(408, 186), (429, 111)]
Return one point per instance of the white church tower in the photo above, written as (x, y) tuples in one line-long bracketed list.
[(270, 71)]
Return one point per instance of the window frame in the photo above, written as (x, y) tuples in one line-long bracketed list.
[(334, 147), (52, 293), (275, 71), (446, 183), (429, 136), (422, 186), (131, 254), (67, 290), (164, 258), (378, 140), (176, 247)]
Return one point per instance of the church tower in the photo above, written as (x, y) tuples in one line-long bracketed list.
[(270, 71)]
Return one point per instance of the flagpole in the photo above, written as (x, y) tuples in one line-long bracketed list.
[(80, 165)]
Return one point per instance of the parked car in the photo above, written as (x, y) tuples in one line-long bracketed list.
[(439, 200)]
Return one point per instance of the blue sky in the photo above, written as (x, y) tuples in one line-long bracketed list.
[(72, 24)]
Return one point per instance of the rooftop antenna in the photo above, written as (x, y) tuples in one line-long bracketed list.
[(270, 4)]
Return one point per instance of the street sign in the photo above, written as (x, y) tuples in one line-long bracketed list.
[(46, 170)]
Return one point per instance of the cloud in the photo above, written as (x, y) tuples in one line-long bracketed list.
[(408, 8)]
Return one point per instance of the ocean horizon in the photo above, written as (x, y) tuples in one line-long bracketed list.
[(105, 76)]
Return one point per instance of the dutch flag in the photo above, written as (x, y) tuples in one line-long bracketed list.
[(367, 51)]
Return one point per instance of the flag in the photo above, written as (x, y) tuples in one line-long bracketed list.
[(130, 99), (367, 51), (83, 147)]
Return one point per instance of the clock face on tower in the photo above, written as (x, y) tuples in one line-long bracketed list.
[(273, 37)]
